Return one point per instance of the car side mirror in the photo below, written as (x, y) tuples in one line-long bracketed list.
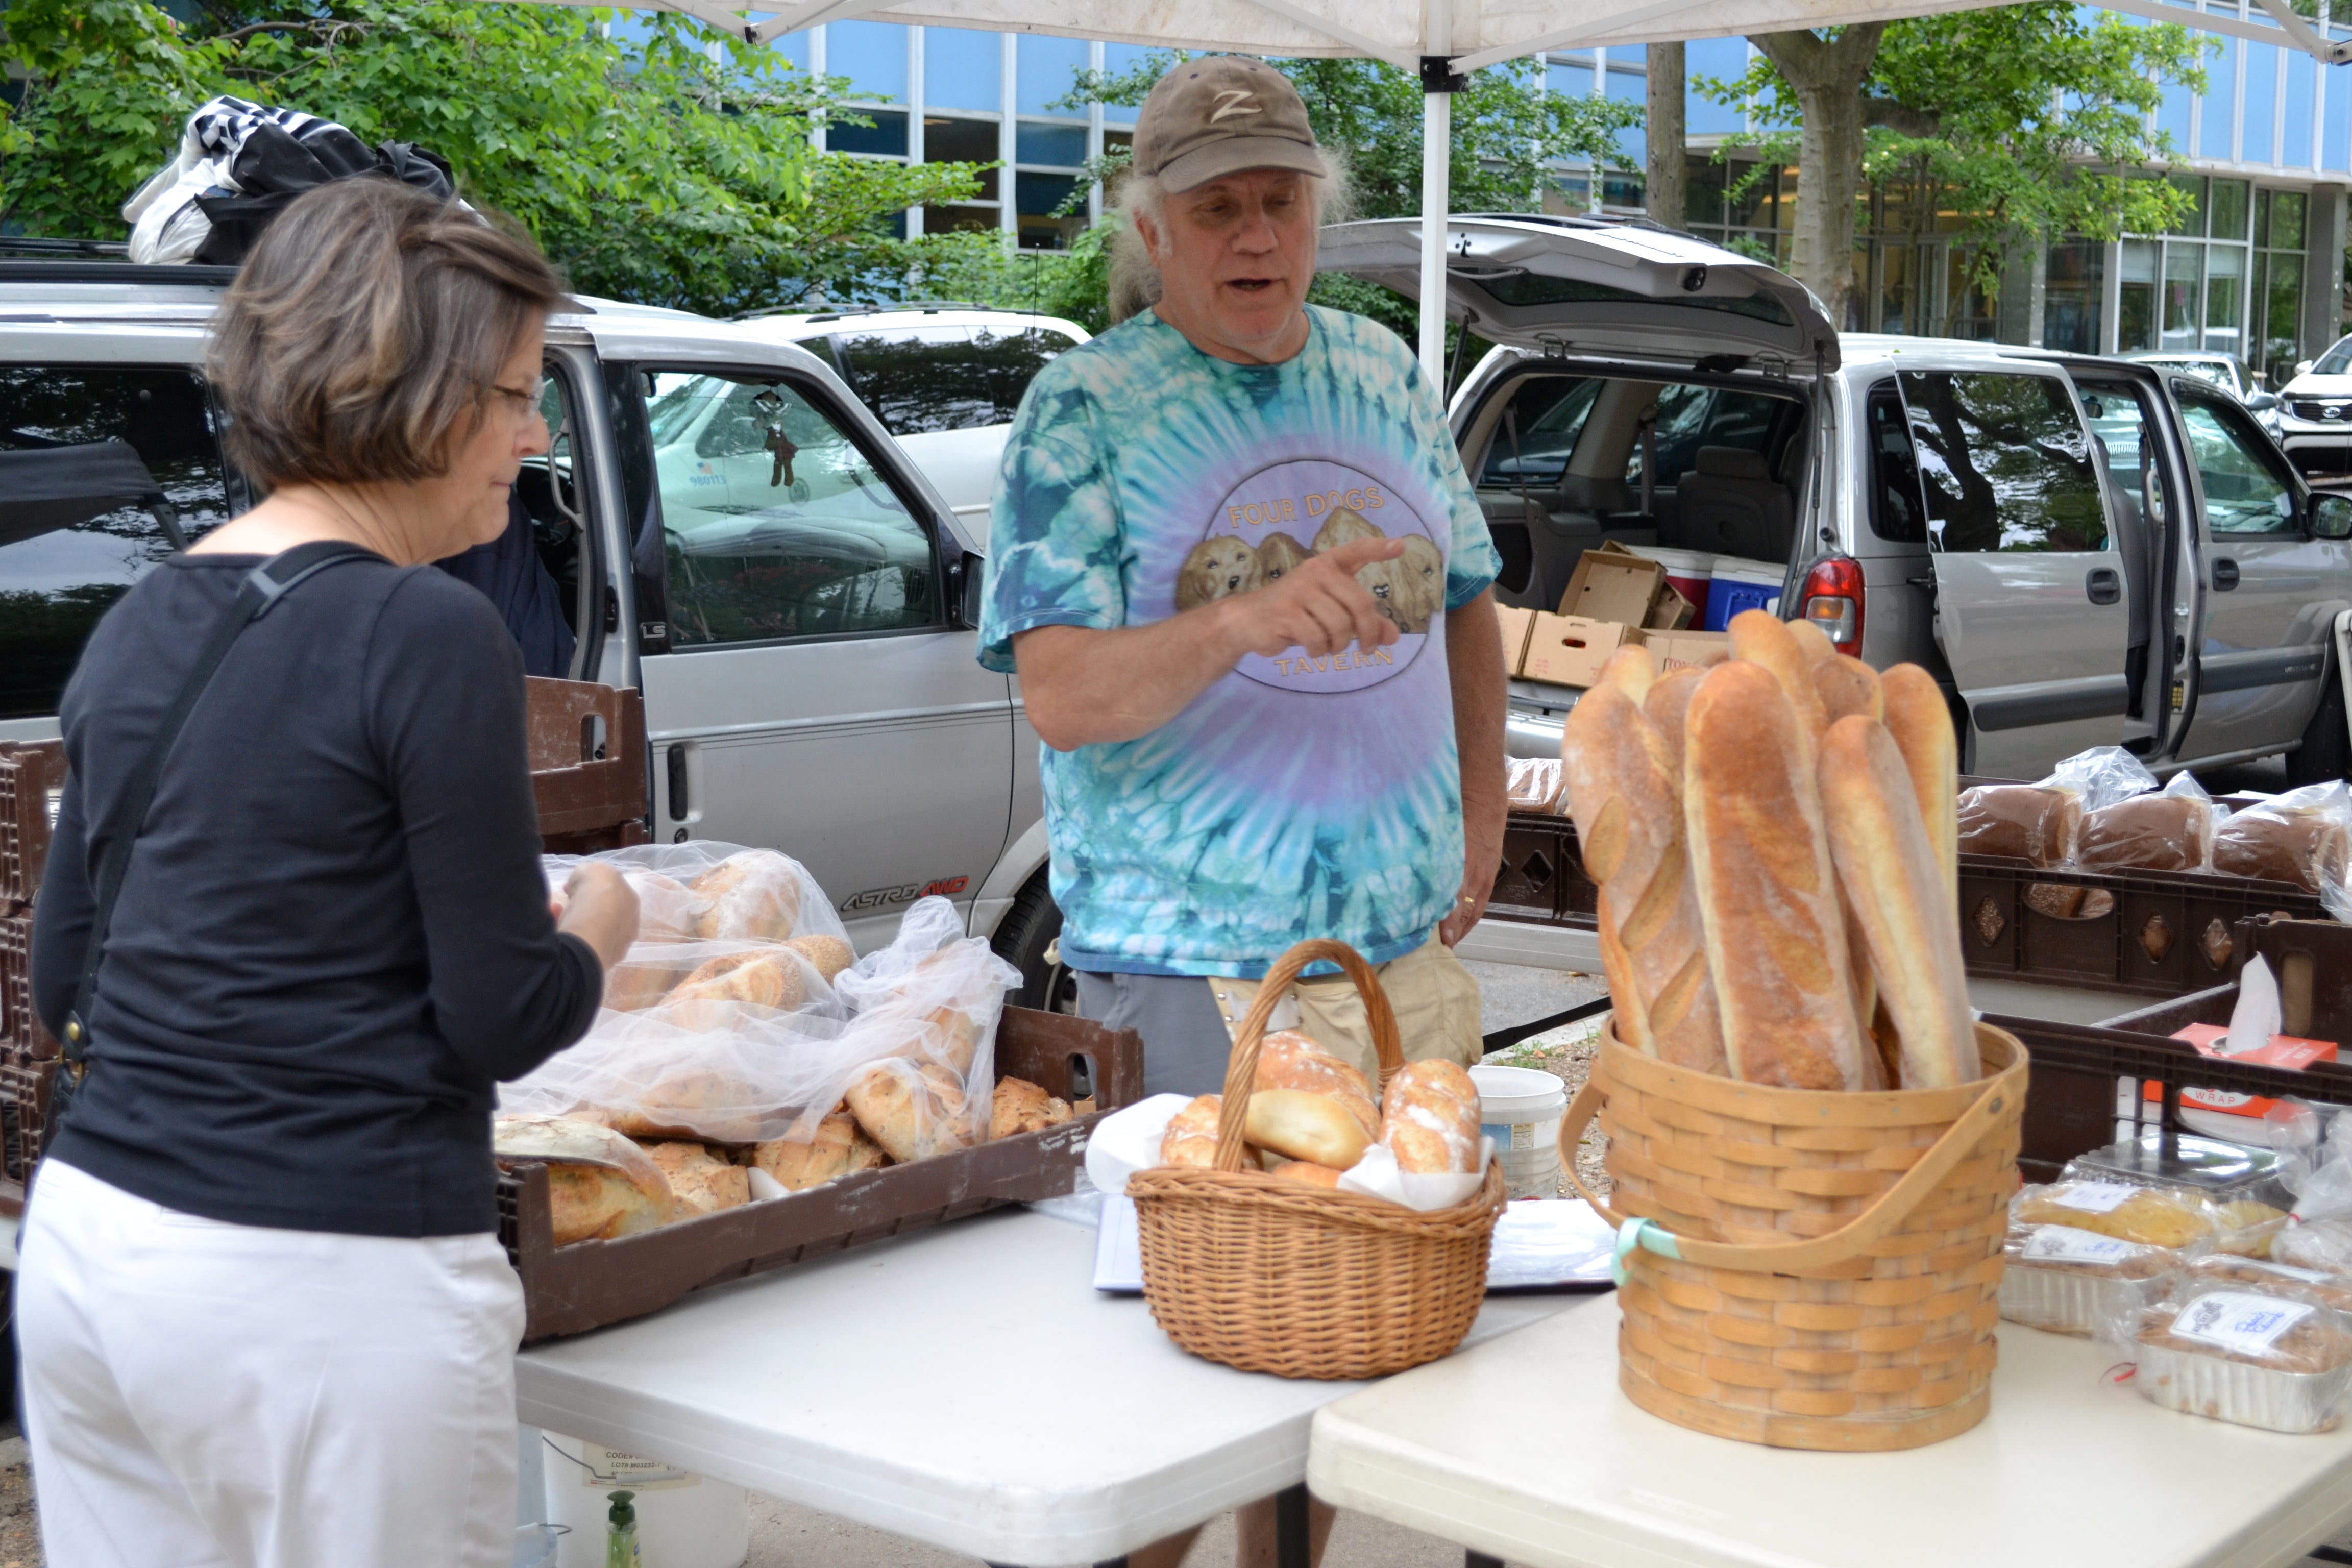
[(967, 585), (2331, 517), (2262, 402), (2303, 367)]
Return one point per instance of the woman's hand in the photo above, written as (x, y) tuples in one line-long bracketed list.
[(601, 909)]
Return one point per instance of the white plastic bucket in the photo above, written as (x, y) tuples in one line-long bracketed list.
[(1689, 570), (684, 1520), (1521, 1109), (535, 1546)]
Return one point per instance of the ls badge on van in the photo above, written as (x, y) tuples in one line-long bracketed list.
[(885, 898)]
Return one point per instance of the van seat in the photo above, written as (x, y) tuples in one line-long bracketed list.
[(1731, 505)]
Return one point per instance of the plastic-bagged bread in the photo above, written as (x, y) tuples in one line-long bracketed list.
[(2170, 829), (1430, 1118), (775, 978), (714, 891), (2304, 837), (600, 1184), (2152, 1217), (913, 1109), (1534, 783), (2020, 822)]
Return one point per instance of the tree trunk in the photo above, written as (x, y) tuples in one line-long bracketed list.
[(1827, 76), (1668, 172)]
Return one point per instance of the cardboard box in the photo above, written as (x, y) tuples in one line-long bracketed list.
[(1679, 651), (1569, 650), (1612, 584), (1672, 612), (1516, 625), (2283, 1051)]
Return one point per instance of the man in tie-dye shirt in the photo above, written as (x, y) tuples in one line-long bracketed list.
[(1244, 582)]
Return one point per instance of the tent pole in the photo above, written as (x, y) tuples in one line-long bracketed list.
[(1438, 86)]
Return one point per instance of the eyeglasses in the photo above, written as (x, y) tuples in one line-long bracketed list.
[(521, 401)]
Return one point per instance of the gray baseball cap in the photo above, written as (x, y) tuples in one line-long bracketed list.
[(1219, 115)]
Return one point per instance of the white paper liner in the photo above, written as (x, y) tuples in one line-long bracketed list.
[(1128, 1141), (1375, 1175)]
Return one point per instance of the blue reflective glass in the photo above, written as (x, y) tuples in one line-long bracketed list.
[(2221, 101), (2262, 102), (1062, 144), (962, 68), (1049, 68), (872, 55)]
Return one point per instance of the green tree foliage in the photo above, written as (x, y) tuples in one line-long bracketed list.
[(649, 170), (2027, 121)]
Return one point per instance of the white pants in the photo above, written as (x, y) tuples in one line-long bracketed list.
[(208, 1395)]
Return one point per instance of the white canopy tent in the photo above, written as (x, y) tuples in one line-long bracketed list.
[(1438, 40)]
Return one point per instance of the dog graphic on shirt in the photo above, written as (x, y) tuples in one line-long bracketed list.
[(1218, 569)]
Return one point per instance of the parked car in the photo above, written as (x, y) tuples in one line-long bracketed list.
[(2227, 372), (945, 379), (736, 533), (2315, 415), (2087, 552)]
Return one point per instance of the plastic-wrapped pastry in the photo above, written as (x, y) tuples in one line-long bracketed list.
[(2223, 1271), (913, 1109), (600, 1185), (2070, 1281), (2321, 1244), (2160, 831), (751, 896), (1534, 783), (773, 977), (2251, 1357), (2152, 1217)]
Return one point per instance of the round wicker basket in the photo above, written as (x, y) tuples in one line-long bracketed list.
[(1272, 1275), (1807, 1269)]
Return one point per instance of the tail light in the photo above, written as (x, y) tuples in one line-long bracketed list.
[(1832, 600)]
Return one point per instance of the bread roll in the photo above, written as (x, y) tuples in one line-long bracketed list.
[(1020, 1105), (1761, 637), (752, 896), (1308, 1173), (1307, 1126), (1430, 1118), (600, 1185), (828, 955), (1192, 1135), (1846, 685), (1883, 857), (1624, 791), (1768, 898), (913, 1109), (1668, 705), (1288, 1059), (2020, 822), (2300, 847), (1812, 642), (703, 1183), (839, 1148), (2152, 832), (1921, 722), (773, 977)]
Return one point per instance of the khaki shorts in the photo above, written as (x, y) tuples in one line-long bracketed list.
[(1435, 1000)]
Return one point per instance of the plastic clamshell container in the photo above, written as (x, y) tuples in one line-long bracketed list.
[(2222, 1171), (2238, 1392), (2071, 1302)]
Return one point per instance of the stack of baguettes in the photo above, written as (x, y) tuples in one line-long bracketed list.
[(1774, 841)]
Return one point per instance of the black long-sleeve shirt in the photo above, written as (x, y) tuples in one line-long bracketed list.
[(334, 938)]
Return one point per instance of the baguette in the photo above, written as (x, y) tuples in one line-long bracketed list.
[(1624, 791), (1812, 642), (1668, 705), (1846, 685), (1921, 725), (1896, 891), (1629, 669), (1760, 636), (1766, 894)]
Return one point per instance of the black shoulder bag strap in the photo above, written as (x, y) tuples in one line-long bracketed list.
[(262, 588)]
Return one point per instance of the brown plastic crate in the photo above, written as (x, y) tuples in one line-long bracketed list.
[(32, 773), (24, 1113), (20, 1028), (587, 763), (591, 1284), (2159, 933), (1542, 880)]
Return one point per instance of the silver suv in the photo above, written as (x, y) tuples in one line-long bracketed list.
[(731, 530), (2089, 552)]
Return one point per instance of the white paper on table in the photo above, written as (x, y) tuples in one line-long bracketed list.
[(766, 1186), (2259, 1014), (1549, 1242), (1375, 1175), (1119, 1248), (1128, 1141)]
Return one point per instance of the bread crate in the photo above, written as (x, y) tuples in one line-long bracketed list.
[(1542, 880), (2159, 933), (589, 1284), (21, 1034), (32, 777), (588, 765), (24, 1113)]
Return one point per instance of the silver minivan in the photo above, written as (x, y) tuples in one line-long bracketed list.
[(2088, 551), (731, 531)]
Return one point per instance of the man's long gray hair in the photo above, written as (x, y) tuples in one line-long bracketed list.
[(1135, 282)]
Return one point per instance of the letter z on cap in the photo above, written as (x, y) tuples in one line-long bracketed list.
[(1219, 115)]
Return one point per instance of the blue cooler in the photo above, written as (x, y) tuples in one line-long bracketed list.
[(1737, 586)]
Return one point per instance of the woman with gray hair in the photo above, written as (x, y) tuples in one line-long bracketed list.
[(293, 933)]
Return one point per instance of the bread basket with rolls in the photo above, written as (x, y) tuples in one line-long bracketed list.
[(1264, 1273), (1812, 1142)]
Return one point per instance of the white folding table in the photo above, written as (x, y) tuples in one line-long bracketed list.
[(1523, 1448), (964, 1385)]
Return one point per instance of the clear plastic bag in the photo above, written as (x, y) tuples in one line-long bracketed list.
[(714, 892), (1534, 783), (2267, 1356), (2170, 829), (666, 973), (2067, 1280), (2033, 823), (2101, 776), (2170, 1217), (2304, 837)]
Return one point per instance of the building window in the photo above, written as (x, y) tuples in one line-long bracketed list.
[(885, 138), (2071, 303), (2275, 332)]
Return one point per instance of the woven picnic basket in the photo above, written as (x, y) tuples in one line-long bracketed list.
[(1803, 1268), (1273, 1276)]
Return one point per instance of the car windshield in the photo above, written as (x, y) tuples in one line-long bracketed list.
[(2336, 360)]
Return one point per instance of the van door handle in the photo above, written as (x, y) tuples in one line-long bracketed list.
[(2104, 585), (2225, 575), (680, 808)]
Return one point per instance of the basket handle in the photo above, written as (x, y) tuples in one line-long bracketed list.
[(1889, 1209), (1241, 1071)]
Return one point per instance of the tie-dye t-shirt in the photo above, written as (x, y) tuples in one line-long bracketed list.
[(1296, 796)]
